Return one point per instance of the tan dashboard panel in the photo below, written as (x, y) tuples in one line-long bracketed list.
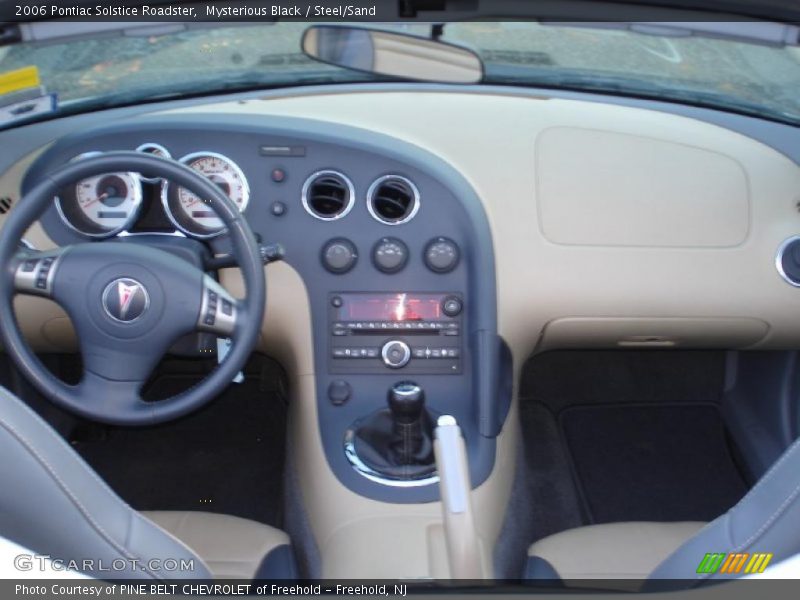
[(10, 187), (491, 138), (44, 324), (653, 332), (603, 188)]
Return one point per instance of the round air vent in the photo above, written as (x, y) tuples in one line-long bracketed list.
[(328, 195), (393, 200), (787, 261), (5, 204)]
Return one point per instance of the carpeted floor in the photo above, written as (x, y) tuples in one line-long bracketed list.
[(227, 458), (623, 435), (651, 462)]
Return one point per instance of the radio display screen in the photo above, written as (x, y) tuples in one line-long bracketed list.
[(401, 307)]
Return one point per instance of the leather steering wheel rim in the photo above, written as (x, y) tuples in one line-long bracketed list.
[(248, 313)]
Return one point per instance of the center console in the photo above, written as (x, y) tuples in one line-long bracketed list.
[(394, 445)]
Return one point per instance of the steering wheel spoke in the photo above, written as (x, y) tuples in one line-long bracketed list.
[(219, 311), (110, 397), (35, 272)]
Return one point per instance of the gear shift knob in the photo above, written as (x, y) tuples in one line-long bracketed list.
[(406, 401)]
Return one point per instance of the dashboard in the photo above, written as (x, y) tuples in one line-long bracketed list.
[(538, 220), (391, 242), (448, 254)]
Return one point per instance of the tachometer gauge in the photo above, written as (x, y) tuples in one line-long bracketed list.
[(193, 215), (101, 206)]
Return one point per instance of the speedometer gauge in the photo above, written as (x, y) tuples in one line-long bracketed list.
[(193, 215), (102, 205)]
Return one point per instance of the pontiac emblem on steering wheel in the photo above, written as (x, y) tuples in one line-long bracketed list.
[(125, 300)]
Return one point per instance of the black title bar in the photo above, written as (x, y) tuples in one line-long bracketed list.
[(12, 11)]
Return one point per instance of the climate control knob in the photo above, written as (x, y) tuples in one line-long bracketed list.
[(339, 255), (390, 255), (442, 255), (395, 354)]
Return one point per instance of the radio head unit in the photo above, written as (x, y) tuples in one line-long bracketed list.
[(379, 332)]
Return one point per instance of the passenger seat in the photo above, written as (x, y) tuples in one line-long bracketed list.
[(667, 556)]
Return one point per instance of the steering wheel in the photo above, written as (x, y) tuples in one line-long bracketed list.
[(128, 302)]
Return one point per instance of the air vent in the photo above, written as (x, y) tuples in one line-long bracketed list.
[(787, 261), (328, 195), (393, 200), (5, 204)]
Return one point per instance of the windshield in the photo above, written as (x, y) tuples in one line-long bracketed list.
[(123, 69)]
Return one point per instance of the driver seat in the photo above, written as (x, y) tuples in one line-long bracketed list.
[(53, 503)]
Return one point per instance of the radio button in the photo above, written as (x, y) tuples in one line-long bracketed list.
[(451, 306)]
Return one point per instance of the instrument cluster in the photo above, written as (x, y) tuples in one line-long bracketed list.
[(109, 204)]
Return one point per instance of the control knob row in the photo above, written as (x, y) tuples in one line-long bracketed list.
[(390, 255)]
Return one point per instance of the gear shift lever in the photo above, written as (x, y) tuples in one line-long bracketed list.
[(397, 442), (406, 403)]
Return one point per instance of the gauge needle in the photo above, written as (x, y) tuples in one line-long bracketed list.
[(100, 198)]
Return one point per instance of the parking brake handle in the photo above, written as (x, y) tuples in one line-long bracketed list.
[(463, 543)]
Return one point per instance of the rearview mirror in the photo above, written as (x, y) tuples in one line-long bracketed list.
[(392, 54)]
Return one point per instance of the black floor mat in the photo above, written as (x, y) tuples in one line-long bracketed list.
[(652, 462), (226, 458), (576, 378)]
